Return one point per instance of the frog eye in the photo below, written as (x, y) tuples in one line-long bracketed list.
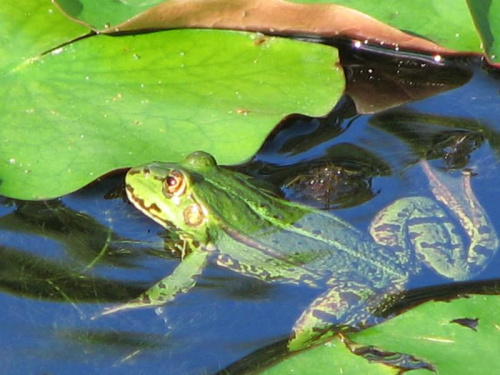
[(174, 184)]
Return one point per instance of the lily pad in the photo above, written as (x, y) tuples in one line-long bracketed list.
[(446, 335), (102, 103), (448, 24), (439, 27), (101, 14), (487, 21), (271, 17)]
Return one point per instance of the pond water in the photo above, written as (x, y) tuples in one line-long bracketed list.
[(64, 261)]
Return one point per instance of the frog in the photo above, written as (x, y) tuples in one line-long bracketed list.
[(224, 217)]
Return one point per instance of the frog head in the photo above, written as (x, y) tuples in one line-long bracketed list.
[(168, 193)]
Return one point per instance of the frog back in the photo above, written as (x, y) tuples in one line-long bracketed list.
[(259, 234), (343, 250), (316, 246)]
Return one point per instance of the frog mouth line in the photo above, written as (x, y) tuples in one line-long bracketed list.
[(149, 210)]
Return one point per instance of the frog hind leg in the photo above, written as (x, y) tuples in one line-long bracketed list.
[(468, 212), (420, 223), (347, 305)]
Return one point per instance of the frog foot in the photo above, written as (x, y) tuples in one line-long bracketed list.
[(347, 306), (137, 303), (165, 290)]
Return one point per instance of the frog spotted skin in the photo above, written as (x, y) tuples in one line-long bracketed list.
[(221, 216)]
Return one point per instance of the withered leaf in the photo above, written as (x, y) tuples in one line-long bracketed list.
[(275, 17)]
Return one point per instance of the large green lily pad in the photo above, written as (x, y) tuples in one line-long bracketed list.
[(103, 102), (457, 337), (486, 18)]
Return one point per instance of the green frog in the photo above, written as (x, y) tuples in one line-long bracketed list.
[(223, 216)]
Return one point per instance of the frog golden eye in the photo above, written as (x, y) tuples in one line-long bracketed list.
[(174, 184)]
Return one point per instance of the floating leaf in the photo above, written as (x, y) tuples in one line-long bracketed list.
[(100, 14), (103, 102), (486, 15), (450, 28), (273, 17), (448, 24), (446, 335)]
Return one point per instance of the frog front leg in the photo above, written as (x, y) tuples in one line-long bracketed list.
[(165, 290), (421, 224), (346, 305)]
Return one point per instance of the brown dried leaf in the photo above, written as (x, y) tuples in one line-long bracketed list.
[(275, 17)]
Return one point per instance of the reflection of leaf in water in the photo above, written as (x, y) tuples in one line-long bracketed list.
[(400, 78), (114, 339), (299, 138), (297, 134), (31, 276), (80, 235), (48, 250), (422, 130), (308, 149), (342, 178), (329, 186)]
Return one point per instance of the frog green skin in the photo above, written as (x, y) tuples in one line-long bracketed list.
[(222, 216)]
